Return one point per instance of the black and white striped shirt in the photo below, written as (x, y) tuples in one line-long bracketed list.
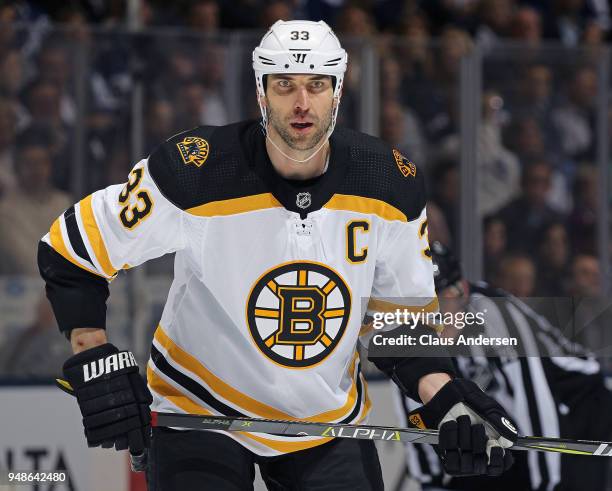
[(538, 392)]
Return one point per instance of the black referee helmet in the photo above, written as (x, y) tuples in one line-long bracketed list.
[(447, 270)]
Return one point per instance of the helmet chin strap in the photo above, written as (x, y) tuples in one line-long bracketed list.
[(291, 158)]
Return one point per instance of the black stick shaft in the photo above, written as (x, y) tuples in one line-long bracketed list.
[(367, 432)]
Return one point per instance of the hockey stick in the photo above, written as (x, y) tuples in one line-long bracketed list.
[(365, 432)]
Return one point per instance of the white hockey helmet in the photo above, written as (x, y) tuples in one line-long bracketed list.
[(300, 46)]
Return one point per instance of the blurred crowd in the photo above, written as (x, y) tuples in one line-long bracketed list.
[(68, 72)]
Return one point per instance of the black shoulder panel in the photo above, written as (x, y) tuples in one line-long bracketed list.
[(378, 171), (202, 165)]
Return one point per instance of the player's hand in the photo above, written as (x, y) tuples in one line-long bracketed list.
[(475, 430), (113, 398)]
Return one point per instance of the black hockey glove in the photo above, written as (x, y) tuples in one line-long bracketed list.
[(475, 430), (113, 398)]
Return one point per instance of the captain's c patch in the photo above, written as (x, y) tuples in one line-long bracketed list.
[(406, 167), (194, 150)]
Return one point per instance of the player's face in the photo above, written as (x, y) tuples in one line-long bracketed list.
[(299, 108)]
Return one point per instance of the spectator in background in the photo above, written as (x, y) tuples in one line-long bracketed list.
[(457, 12), (11, 74), (25, 213), (499, 169), (55, 68), (74, 24), (516, 275), (583, 219), (585, 276), (527, 26), (593, 35), (203, 16), (353, 21), (494, 246), (593, 41), (273, 11), (567, 21), (528, 215), (525, 137), (356, 21), (212, 75), (181, 68), (43, 102), (553, 256), (535, 96), (414, 48), (592, 314), (400, 128), (574, 119), (8, 179), (160, 123), (445, 193), (438, 107), (8, 17), (416, 52), (190, 105), (495, 18), (455, 44)]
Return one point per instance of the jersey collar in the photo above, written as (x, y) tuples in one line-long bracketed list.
[(300, 196)]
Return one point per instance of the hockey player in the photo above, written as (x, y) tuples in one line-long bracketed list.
[(280, 227), (560, 394)]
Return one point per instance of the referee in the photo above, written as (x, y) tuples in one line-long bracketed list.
[(559, 394)]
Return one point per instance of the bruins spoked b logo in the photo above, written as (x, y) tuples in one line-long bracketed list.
[(298, 312)]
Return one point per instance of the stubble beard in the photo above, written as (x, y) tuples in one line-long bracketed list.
[(297, 142)]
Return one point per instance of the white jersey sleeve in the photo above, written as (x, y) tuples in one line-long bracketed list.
[(118, 227), (403, 277)]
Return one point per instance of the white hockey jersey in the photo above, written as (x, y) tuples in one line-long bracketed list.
[(265, 310)]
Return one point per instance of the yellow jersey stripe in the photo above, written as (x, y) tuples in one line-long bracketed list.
[(346, 202), (182, 401), (331, 314), (369, 206), (95, 237), (302, 277), (57, 242), (368, 402), (299, 352), (234, 206), (325, 340), (267, 313), (247, 403), (329, 286)]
